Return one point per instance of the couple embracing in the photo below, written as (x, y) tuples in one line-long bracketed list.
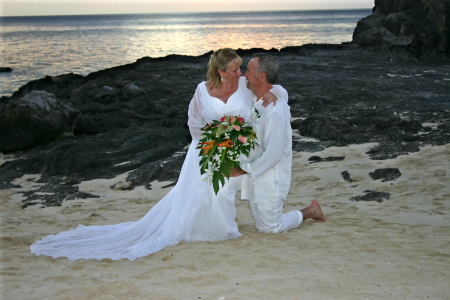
[(192, 211)]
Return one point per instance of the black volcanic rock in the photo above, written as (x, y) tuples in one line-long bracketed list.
[(338, 96), (406, 28), (302, 146), (372, 196), (35, 118), (346, 176), (98, 156), (392, 150), (53, 195), (316, 159), (162, 170), (387, 174), (71, 181), (8, 186), (60, 86)]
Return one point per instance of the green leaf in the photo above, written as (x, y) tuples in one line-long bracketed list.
[(226, 168), (216, 186), (221, 178), (216, 132)]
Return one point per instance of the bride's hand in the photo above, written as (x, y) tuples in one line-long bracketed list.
[(235, 172), (268, 98)]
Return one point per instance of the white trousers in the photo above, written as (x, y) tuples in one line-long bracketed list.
[(269, 217)]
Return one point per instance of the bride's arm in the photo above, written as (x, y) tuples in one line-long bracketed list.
[(195, 122), (277, 92), (268, 98), (280, 92)]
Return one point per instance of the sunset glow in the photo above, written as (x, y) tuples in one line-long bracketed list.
[(85, 7)]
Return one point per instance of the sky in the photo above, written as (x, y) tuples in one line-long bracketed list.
[(84, 7)]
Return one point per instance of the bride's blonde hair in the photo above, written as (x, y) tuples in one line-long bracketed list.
[(220, 60)]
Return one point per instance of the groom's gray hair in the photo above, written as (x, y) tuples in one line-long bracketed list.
[(268, 65)]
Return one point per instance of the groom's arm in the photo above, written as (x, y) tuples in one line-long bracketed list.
[(275, 135)]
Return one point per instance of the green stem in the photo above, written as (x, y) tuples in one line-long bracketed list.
[(224, 153), (211, 152)]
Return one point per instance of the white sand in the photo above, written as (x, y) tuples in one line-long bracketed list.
[(398, 249)]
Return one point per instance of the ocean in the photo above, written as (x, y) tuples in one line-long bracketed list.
[(52, 45)]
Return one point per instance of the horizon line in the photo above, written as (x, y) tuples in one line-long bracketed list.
[(186, 13)]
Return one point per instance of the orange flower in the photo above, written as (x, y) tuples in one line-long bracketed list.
[(228, 143), (208, 146)]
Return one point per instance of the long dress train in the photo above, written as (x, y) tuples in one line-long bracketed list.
[(189, 212)]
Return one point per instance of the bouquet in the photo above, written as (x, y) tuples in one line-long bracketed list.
[(221, 145)]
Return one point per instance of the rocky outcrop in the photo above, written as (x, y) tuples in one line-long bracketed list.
[(35, 118), (316, 159), (407, 28), (132, 118), (387, 174), (372, 196), (53, 194)]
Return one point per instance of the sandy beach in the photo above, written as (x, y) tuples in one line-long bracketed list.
[(397, 249)]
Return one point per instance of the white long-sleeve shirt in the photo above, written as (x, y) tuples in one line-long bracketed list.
[(269, 164)]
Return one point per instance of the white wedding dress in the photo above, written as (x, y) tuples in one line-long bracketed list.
[(189, 212)]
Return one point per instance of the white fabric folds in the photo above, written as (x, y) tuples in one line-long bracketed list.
[(189, 212)]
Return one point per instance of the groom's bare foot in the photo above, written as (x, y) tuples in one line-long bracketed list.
[(314, 211)]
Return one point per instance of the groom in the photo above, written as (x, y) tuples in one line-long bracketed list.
[(268, 168)]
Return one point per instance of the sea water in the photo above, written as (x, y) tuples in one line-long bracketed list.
[(52, 45)]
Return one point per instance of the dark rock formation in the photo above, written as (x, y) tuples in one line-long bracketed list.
[(358, 100), (133, 117), (35, 118), (71, 181), (372, 196), (122, 185), (5, 69), (8, 186), (407, 28), (387, 174), (389, 151), (316, 159), (98, 156), (163, 170), (302, 146), (346, 176), (53, 194)]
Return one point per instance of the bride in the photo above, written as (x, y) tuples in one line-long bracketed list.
[(190, 211)]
